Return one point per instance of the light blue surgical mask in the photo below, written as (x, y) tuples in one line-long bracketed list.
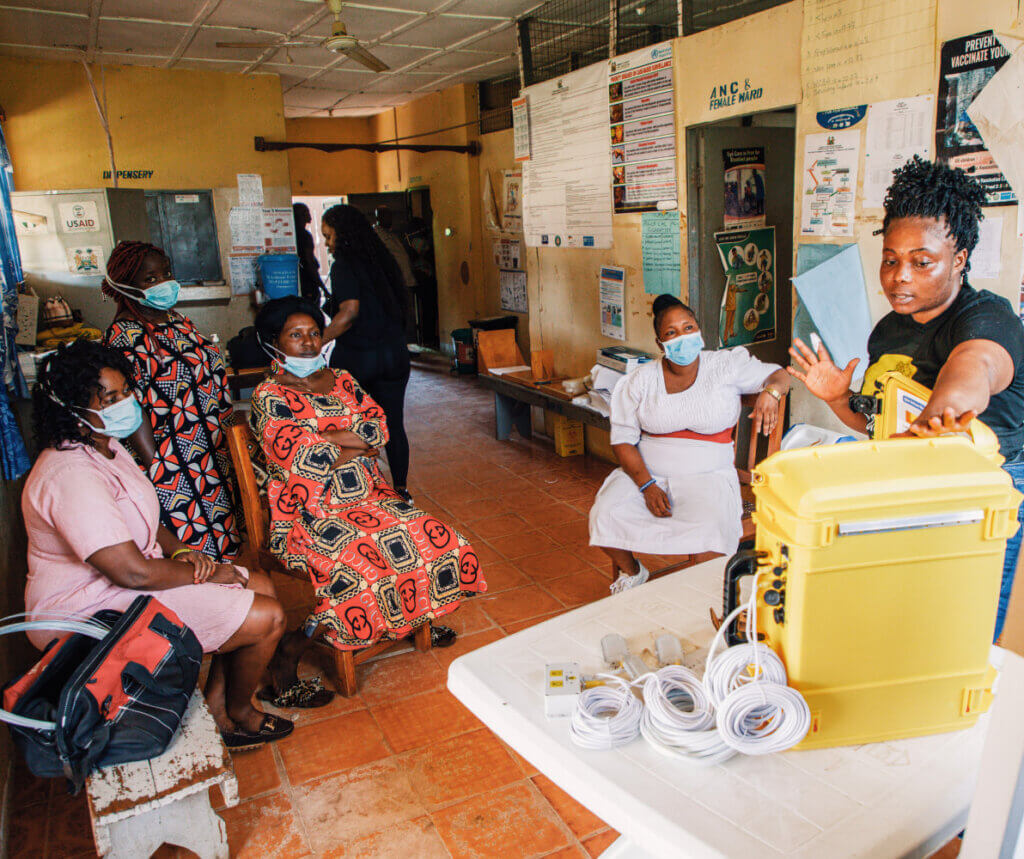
[(684, 349), (300, 367), (161, 296), (121, 419)]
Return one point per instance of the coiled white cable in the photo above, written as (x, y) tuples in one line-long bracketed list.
[(679, 720), (757, 713), (606, 716)]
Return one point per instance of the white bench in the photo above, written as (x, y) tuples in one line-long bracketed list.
[(137, 807)]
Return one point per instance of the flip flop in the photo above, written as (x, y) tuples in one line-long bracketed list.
[(442, 636), (272, 728), (302, 694)]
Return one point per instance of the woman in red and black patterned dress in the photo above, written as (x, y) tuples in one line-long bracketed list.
[(381, 567), (180, 382)]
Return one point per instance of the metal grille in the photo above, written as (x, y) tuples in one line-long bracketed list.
[(561, 36), (496, 103), (644, 22)]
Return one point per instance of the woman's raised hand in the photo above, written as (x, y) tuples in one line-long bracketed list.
[(822, 377)]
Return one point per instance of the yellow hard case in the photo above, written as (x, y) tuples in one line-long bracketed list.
[(879, 565)]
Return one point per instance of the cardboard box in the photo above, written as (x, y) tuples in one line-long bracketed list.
[(28, 319)]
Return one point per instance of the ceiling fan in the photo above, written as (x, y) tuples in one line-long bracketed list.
[(339, 42)]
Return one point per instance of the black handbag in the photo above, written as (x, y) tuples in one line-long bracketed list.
[(111, 690)]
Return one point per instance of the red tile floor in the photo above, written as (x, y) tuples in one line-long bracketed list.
[(403, 769)]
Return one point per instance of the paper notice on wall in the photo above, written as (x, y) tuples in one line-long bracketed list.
[(566, 198), (278, 231), (507, 253), (250, 189), (966, 66), (512, 285), (612, 294), (79, 217), (998, 114), (86, 260), (641, 115), (246, 228), (520, 129), (744, 187), (897, 130), (829, 183), (242, 271), (986, 258), (512, 201), (659, 245)]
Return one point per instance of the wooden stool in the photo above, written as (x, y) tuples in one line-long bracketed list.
[(136, 807)]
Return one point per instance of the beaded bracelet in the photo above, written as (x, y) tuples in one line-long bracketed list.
[(650, 482)]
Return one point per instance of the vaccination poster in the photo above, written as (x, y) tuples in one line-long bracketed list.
[(744, 187), (748, 301), (966, 65)]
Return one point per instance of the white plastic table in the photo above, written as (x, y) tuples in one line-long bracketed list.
[(898, 798)]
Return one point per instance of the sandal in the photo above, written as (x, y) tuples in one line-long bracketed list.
[(272, 728), (302, 694), (442, 636)]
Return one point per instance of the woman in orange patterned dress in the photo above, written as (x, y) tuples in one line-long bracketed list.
[(381, 567)]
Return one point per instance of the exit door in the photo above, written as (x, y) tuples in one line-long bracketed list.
[(706, 216)]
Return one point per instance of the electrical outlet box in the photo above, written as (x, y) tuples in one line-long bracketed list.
[(562, 688)]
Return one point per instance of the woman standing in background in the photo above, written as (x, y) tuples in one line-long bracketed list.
[(367, 307), (179, 379)]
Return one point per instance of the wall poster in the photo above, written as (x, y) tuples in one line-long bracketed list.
[(659, 246), (748, 303), (566, 200), (641, 114), (829, 183), (512, 201), (966, 64), (612, 292), (744, 187), (86, 260), (512, 285), (520, 129), (897, 131)]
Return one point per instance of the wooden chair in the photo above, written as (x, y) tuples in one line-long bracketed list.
[(257, 522), (754, 448)]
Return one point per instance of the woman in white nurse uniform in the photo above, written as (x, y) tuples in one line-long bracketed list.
[(677, 492)]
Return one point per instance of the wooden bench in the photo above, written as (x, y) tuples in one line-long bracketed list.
[(257, 522), (136, 807)]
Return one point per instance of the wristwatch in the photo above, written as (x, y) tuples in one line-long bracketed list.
[(772, 392)]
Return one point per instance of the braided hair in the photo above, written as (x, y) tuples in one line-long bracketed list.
[(929, 189), (123, 265), (356, 241), (67, 380)]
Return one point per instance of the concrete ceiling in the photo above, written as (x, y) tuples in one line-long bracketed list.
[(429, 44)]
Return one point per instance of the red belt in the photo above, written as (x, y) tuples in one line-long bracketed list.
[(723, 437)]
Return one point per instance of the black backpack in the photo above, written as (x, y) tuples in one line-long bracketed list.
[(111, 690)]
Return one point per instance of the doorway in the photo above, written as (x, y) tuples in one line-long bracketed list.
[(413, 222), (742, 172)]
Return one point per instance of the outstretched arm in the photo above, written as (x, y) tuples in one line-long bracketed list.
[(827, 382)]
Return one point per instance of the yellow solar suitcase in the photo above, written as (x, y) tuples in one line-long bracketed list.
[(878, 566)]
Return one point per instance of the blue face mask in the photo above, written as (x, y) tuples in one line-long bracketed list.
[(684, 349), (121, 419), (162, 296), (300, 367)]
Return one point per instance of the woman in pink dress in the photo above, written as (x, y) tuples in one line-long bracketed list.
[(95, 540)]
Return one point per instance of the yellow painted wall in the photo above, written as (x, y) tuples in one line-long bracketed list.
[(563, 282), (158, 122), (327, 174)]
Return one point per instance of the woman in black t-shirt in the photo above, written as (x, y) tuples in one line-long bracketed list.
[(367, 309), (964, 344)]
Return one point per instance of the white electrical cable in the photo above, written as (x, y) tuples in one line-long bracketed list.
[(679, 719), (606, 716)]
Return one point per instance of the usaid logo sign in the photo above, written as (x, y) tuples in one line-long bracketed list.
[(79, 217)]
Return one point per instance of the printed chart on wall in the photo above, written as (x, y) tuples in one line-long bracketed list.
[(744, 187), (748, 303), (612, 292), (512, 201), (897, 131), (829, 183), (566, 200), (641, 114), (966, 65)]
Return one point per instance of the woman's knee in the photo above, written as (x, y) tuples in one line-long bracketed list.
[(264, 622)]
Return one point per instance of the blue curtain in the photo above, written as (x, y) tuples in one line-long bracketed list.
[(13, 456)]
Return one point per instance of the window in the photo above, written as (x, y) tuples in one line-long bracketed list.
[(182, 223)]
